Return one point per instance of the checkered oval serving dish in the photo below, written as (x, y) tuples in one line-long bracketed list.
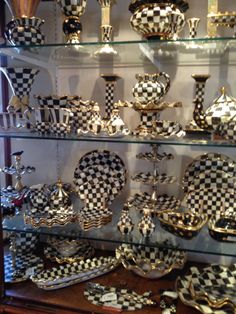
[(211, 290), (185, 225), (149, 262), (70, 274)]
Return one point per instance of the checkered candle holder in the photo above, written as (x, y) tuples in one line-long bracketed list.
[(72, 27), (157, 20), (193, 25), (110, 80), (21, 81), (25, 31)]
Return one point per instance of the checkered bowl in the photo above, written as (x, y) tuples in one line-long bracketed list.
[(167, 128), (55, 101), (153, 20), (72, 7), (185, 225), (64, 246), (223, 227), (150, 262)]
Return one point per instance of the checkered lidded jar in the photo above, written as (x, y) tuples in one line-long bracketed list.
[(150, 88)]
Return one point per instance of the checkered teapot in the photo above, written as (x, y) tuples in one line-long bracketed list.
[(221, 112), (150, 88)]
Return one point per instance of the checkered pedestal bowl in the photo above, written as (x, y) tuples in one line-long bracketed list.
[(25, 31), (150, 262), (153, 20)]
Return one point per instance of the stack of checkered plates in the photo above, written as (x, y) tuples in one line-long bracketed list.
[(99, 178), (211, 290), (70, 274)]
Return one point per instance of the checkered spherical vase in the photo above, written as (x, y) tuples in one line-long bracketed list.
[(146, 226), (72, 7), (161, 20)]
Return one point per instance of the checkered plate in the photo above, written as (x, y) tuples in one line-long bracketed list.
[(66, 275), (127, 300), (182, 286), (211, 201), (26, 264), (209, 162)]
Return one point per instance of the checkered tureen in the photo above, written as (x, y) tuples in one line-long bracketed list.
[(158, 19)]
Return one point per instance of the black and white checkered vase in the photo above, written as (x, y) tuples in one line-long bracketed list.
[(193, 25)]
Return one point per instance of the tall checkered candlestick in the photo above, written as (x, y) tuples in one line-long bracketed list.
[(193, 25), (72, 27), (110, 80), (198, 113), (18, 170), (106, 28), (21, 81)]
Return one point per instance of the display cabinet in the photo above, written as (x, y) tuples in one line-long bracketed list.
[(75, 68)]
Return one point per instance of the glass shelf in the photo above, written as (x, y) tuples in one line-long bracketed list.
[(132, 53), (202, 243), (188, 140)]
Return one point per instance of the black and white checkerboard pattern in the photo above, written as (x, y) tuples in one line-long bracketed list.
[(181, 4), (227, 130), (211, 202), (28, 21), (125, 225), (106, 33), (226, 20), (213, 162), (164, 202), (182, 286), (26, 263), (80, 119), (146, 226), (154, 157), (22, 80), (60, 129), (109, 99), (90, 218), (220, 113), (38, 199), (25, 242), (72, 7), (198, 113), (127, 300), (27, 35), (148, 91), (43, 127), (148, 178), (193, 25), (147, 119)]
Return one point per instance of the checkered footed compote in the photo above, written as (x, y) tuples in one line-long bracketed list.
[(72, 27), (21, 81)]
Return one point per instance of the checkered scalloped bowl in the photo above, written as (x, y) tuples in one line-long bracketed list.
[(150, 262), (163, 20)]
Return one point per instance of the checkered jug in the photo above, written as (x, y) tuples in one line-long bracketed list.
[(150, 88)]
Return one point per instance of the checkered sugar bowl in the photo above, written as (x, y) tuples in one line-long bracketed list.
[(158, 19)]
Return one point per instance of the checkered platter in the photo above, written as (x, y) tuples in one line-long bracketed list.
[(126, 300), (69, 274), (208, 162), (216, 279)]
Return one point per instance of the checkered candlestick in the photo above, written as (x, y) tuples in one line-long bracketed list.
[(21, 81), (109, 94), (72, 27), (106, 28), (198, 114), (193, 25)]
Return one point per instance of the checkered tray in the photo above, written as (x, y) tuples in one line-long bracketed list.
[(69, 274), (209, 162), (148, 178), (85, 251), (26, 265), (211, 278), (211, 202), (125, 300), (163, 203), (153, 157), (48, 217)]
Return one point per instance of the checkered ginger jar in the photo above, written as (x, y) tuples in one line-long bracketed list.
[(150, 88)]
